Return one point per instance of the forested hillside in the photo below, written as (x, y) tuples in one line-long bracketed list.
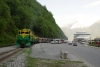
[(19, 14)]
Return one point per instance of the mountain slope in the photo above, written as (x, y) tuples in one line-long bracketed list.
[(94, 30), (19, 14)]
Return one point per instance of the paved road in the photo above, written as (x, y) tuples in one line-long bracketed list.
[(90, 55)]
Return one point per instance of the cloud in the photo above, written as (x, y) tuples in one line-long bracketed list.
[(92, 4), (83, 20), (63, 20)]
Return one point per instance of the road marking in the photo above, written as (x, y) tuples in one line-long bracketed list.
[(85, 62)]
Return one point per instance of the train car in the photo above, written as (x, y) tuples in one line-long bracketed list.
[(25, 38), (44, 40)]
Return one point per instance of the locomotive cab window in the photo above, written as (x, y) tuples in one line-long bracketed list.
[(19, 32), (22, 32), (26, 32)]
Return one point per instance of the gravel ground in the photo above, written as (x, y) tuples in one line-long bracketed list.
[(44, 55), (16, 61), (39, 52), (44, 50), (4, 49)]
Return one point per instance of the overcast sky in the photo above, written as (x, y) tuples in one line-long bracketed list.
[(84, 12)]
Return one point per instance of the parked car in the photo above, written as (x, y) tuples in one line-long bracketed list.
[(52, 42), (83, 42), (65, 41), (70, 42), (56, 41)]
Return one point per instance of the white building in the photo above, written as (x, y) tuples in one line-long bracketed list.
[(81, 35)]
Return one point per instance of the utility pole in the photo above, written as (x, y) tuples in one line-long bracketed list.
[(90, 40)]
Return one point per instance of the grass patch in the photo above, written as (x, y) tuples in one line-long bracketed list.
[(37, 62)]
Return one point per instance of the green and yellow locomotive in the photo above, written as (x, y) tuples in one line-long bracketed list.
[(25, 38)]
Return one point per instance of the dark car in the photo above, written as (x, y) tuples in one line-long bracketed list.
[(74, 44)]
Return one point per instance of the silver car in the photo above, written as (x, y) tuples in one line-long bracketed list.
[(74, 43)]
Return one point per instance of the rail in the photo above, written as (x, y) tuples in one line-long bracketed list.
[(7, 54)]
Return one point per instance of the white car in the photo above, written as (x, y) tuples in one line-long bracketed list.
[(56, 41), (65, 41), (70, 42), (82, 42), (52, 42)]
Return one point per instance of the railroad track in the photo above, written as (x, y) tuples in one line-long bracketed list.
[(7, 54)]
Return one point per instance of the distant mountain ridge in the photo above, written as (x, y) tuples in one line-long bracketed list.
[(94, 30)]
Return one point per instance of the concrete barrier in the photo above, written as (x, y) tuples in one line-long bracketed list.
[(63, 54)]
